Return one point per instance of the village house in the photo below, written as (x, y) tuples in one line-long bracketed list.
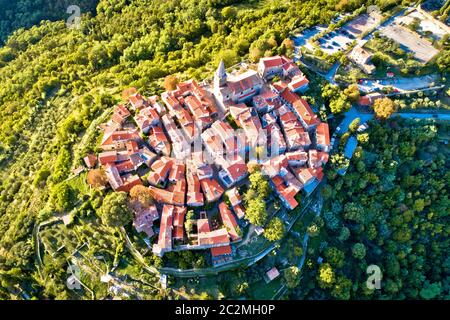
[(250, 124), (90, 160), (120, 183), (269, 67), (158, 141), (178, 222), (299, 84), (281, 66), (285, 192), (137, 102), (369, 99), (317, 158), (272, 274), (146, 119), (276, 142), (144, 218), (194, 194), (116, 140), (180, 145), (323, 137), (236, 88), (213, 239), (160, 171), (362, 58), (297, 158), (266, 101), (174, 196), (120, 114), (211, 189), (268, 119), (165, 232), (236, 202), (233, 173), (229, 222)]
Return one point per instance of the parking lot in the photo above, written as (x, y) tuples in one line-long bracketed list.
[(340, 39)]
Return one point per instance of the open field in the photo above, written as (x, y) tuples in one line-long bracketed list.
[(426, 24), (422, 49)]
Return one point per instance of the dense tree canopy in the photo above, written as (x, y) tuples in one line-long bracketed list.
[(114, 211)]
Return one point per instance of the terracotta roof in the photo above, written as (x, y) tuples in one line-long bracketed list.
[(239, 211), (298, 82), (289, 96), (244, 81), (90, 160), (178, 222), (211, 189), (237, 170), (203, 226), (220, 251), (275, 61), (113, 176), (234, 196), (119, 136), (303, 109), (272, 273), (129, 181), (305, 175), (158, 141), (229, 221), (323, 134), (165, 228), (217, 237)]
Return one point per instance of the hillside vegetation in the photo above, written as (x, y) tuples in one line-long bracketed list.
[(391, 210), (26, 13)]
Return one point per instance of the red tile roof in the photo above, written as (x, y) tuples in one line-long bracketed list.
[(298, 82), (178, 222), (90, 160), (323, 134), (220, 251), (216, 238), (203, 225), (304, 110), (211, 189), (239, 211), (129, 181), (229, 221), (275, 61)]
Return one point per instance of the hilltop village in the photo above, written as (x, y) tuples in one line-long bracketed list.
[(192, 147)]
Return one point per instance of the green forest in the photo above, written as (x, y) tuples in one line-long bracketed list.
[(391, 209), (27, 13), (58, 84)]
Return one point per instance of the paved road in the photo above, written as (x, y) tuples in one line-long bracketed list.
[(351, 115), (436, 116)]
